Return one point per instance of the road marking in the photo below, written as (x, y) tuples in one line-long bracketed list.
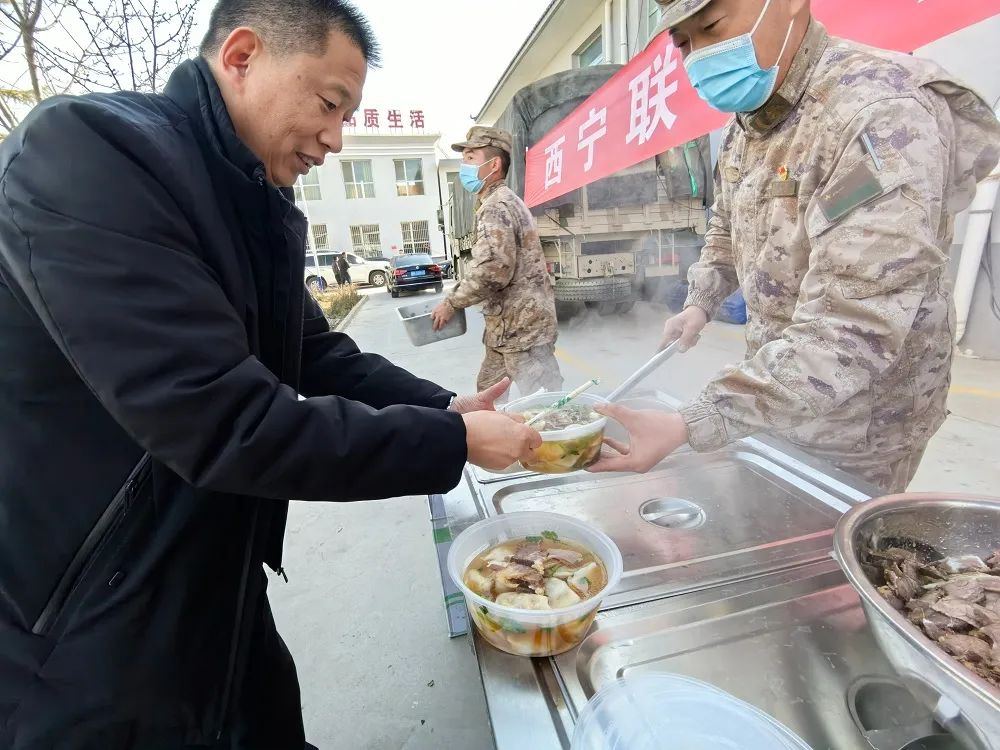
[(965, 390), (580, 364)]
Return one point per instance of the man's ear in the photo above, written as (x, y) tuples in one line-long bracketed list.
[(237, 55)]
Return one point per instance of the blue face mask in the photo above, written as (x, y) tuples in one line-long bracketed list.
[(727, 76), (469, 175)]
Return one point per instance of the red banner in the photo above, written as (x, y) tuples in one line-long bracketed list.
[(648, 106)]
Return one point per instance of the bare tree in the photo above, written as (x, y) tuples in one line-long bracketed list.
[(87, 45)]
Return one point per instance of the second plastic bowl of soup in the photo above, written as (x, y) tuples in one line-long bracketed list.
[(571, 437), (534, 581)]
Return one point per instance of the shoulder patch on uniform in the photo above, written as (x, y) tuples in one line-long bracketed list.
[(857, 186)]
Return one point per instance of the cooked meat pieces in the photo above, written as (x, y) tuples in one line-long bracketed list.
[(927, 598), (965, 647), (906, 588), (931, 629), (571, 557), (965, 564), (890, 596), (527, 554), (921, 608), (517, 577), (992, 632), (955, 602), (972, 614), (987, 581), (994, 561), (966, 589), (944, 623), (992, 602), (933, 572)]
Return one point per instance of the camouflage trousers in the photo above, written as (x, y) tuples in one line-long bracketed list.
[(532, 370), (891, 474)]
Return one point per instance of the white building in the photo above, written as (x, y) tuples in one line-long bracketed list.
[(379, 196), (574, 34), (448, 165)]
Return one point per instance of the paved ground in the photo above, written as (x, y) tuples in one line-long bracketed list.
[(377, 668)]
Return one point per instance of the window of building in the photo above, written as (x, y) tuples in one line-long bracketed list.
[(320, 239), (653, 18), (416, 238), (358, 179), (409, 176), (307, 187), (591, 53), (366, 240)]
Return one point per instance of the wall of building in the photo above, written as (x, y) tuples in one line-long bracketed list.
[(446, 169), (637, 35), (548, 52), (387, 209), (563, 58), (973, 56)]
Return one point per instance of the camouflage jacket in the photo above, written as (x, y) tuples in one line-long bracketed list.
[(834, 213), (507, 275)]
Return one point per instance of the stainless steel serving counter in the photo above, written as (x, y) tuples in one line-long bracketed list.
[(728, 579)]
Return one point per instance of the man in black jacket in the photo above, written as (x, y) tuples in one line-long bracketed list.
[(165, 385)]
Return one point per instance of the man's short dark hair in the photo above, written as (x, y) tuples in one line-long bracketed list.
[(292, 25), (493, 152)]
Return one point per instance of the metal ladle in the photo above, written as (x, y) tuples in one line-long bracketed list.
[(639, 375)]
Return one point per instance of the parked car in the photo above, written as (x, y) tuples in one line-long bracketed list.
[(372, 271), (447, 268), (414, 273)]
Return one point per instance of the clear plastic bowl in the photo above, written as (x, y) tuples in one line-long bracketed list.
[(667, 711), (563, 451), (527, 632)]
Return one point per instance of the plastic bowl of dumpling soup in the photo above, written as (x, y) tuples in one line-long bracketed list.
[(533, 581), (571, 437)]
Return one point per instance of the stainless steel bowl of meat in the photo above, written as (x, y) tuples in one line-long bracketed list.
[(927, 568)]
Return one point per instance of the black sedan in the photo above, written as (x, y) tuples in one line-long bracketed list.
[(414, 273), (447, 267)]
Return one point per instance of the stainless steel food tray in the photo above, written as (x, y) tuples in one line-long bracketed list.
[(416, 320), (951, 525)]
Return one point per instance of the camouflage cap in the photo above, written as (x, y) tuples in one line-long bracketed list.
[(480, 136), (672, 12)]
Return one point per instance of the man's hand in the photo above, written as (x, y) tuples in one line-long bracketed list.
[(653, 435), (496, 441), (482, 401), (685, 326), (441, 314)]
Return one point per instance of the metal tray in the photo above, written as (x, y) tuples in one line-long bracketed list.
[(794, 644), (694, 522), (416, 320)]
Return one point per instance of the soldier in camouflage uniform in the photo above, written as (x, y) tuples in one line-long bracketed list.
[(834, 213), (506, 274)]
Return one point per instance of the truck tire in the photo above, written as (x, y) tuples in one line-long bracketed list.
[(377, 278), (316, 283)]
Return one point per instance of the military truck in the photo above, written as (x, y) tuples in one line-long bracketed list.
[(603, 240)]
